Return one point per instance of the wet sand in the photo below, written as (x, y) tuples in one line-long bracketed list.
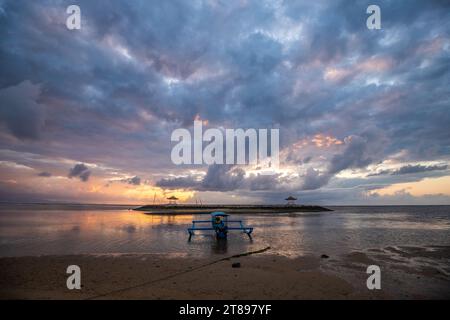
[(260, 276)]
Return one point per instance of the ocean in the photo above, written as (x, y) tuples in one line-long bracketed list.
[(50, 229)]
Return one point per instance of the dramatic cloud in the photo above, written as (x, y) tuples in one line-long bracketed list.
[(45, 174), (314, 179), (217, 178), (133, 181), (346, 99), (20, 111), (360, 151), (409, 169), (222, 178), (81, 171), (418, 168), (179, 183)]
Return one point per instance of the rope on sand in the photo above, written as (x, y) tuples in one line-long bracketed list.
[(177, 274)]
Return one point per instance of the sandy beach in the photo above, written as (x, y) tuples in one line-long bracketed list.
[(260, 276)]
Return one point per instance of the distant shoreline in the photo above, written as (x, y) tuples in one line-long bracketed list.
[(241, 209)]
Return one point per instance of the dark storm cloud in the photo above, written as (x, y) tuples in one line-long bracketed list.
[(409, 169), (20, 111), (113, 91), (418, 168), (217, 178), (360, 151), (313, 179), (135, 181), (45, 174), (221, 178), (179, 183), (81, 171)]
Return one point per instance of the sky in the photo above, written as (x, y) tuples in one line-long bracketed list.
[(87, 115)]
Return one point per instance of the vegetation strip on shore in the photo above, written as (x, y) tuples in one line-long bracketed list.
[(241, 209), (177, 274)]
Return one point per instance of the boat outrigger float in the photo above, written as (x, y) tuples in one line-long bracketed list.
[(219, 223)]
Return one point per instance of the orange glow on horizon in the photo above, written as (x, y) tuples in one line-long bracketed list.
[(427, 186)]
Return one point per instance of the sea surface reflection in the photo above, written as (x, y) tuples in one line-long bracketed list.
[(53, 230)]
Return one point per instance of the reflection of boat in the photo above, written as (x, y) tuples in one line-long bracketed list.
[(219, 223)]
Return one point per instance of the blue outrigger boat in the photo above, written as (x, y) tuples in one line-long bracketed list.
[(219, 223)]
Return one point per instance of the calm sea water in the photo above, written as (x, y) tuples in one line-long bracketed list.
[(72, 229)]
